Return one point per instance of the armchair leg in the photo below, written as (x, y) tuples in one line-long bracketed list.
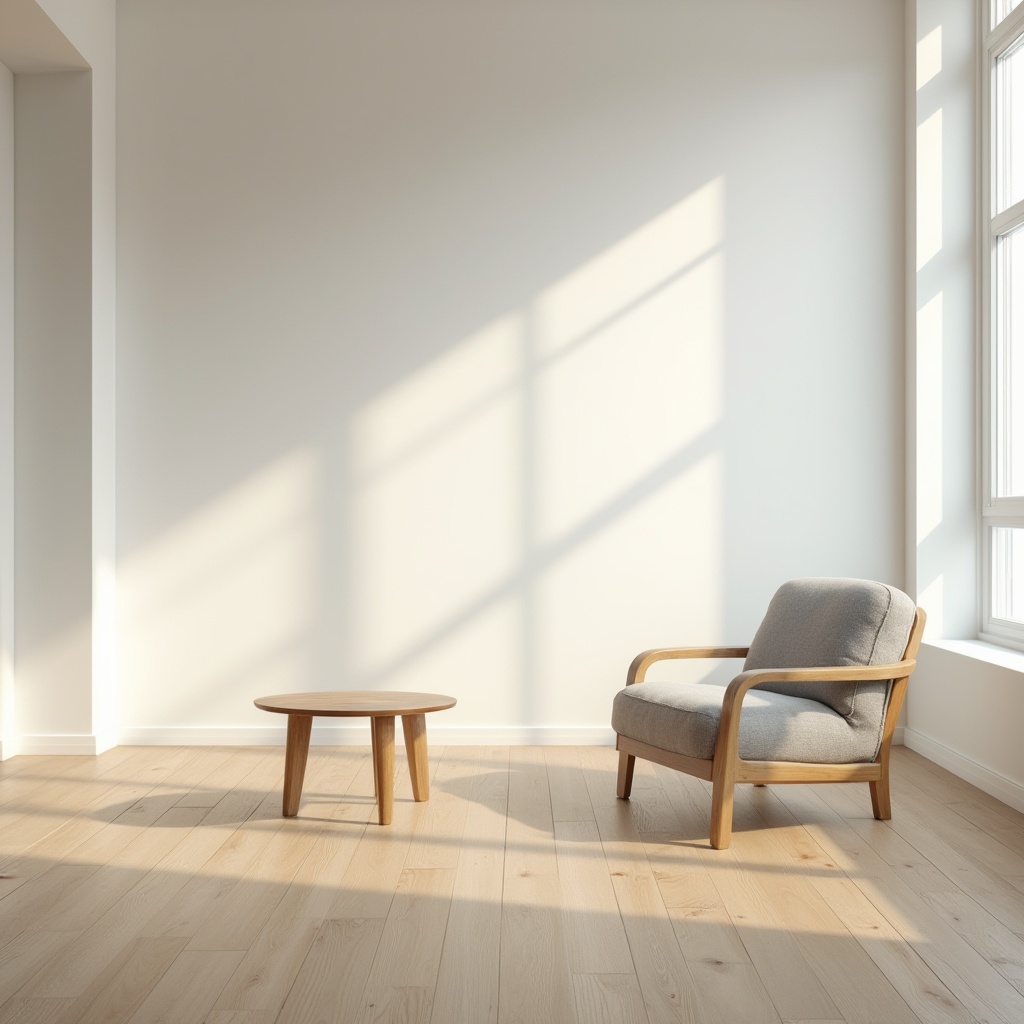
[(723, 784), (624, 783), (881, 805)]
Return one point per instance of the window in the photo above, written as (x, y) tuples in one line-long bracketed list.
[(1003, 324)]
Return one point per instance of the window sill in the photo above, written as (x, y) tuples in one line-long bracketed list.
[(983, 650)]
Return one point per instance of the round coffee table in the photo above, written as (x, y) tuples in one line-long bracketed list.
[(380, 706)]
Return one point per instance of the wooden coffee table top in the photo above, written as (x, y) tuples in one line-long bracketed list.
[(355, 703)]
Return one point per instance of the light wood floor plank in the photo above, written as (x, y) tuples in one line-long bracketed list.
[(273, 960), (188, 989), (126, 895), (23, 779), (36, 1011), (250, 903), (666, 983), (609, 999), (119, 990), (467, 982), (690, 800), (1003, 901), (160, 845), (532, 923), (756, 908), (275, 957), (237, 828), (439, 836), (241, 1017), (243, 912), (968, 839), (904, 968), (570, 798), (947, 787), (1001, 947), (226, 772), (654, 813), (404, 971), (331, 980), (368, 886), (24, 957), (595, 936), (533, 947), (732, 992), (855, 983)]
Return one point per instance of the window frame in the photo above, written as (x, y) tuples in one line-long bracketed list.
[(996, 40)]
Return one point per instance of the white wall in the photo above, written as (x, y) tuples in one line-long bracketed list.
[(53, 573), (474, 349), (966, 714), (91, 25), (7, 726)]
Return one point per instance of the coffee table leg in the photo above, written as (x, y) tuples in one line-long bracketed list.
[(415, 729), (295, 754), (384, 765), (373, 749)]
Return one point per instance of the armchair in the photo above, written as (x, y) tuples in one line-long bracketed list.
[(821, 689)]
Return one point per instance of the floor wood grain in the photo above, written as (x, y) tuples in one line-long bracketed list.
[(162, 884)]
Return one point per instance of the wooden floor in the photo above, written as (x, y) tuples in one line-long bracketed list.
[(161, 884)]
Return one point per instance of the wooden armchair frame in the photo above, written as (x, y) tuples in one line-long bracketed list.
[(726, 768)]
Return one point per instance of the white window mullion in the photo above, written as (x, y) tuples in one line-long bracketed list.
[(1007, 221), (1007, 23)]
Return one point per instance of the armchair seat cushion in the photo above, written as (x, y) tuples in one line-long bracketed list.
[(684, 718)]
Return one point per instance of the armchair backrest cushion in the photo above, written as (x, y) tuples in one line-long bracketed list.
[(833, 621)]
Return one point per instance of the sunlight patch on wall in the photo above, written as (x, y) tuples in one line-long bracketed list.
[(929, 56), (437, 400), (929, 189), (609, 285), (630, 361), (929, 417), (226, 595), (437, 514)]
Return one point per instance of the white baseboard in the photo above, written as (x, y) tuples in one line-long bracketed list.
[(1002, 788), (72, 743), (8, 748), (359, 735), (898, 735), (106, 741)]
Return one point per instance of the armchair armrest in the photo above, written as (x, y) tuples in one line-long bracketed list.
[(645, 659), (728, 733)]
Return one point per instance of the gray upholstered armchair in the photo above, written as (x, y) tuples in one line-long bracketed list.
[(830, 664)]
